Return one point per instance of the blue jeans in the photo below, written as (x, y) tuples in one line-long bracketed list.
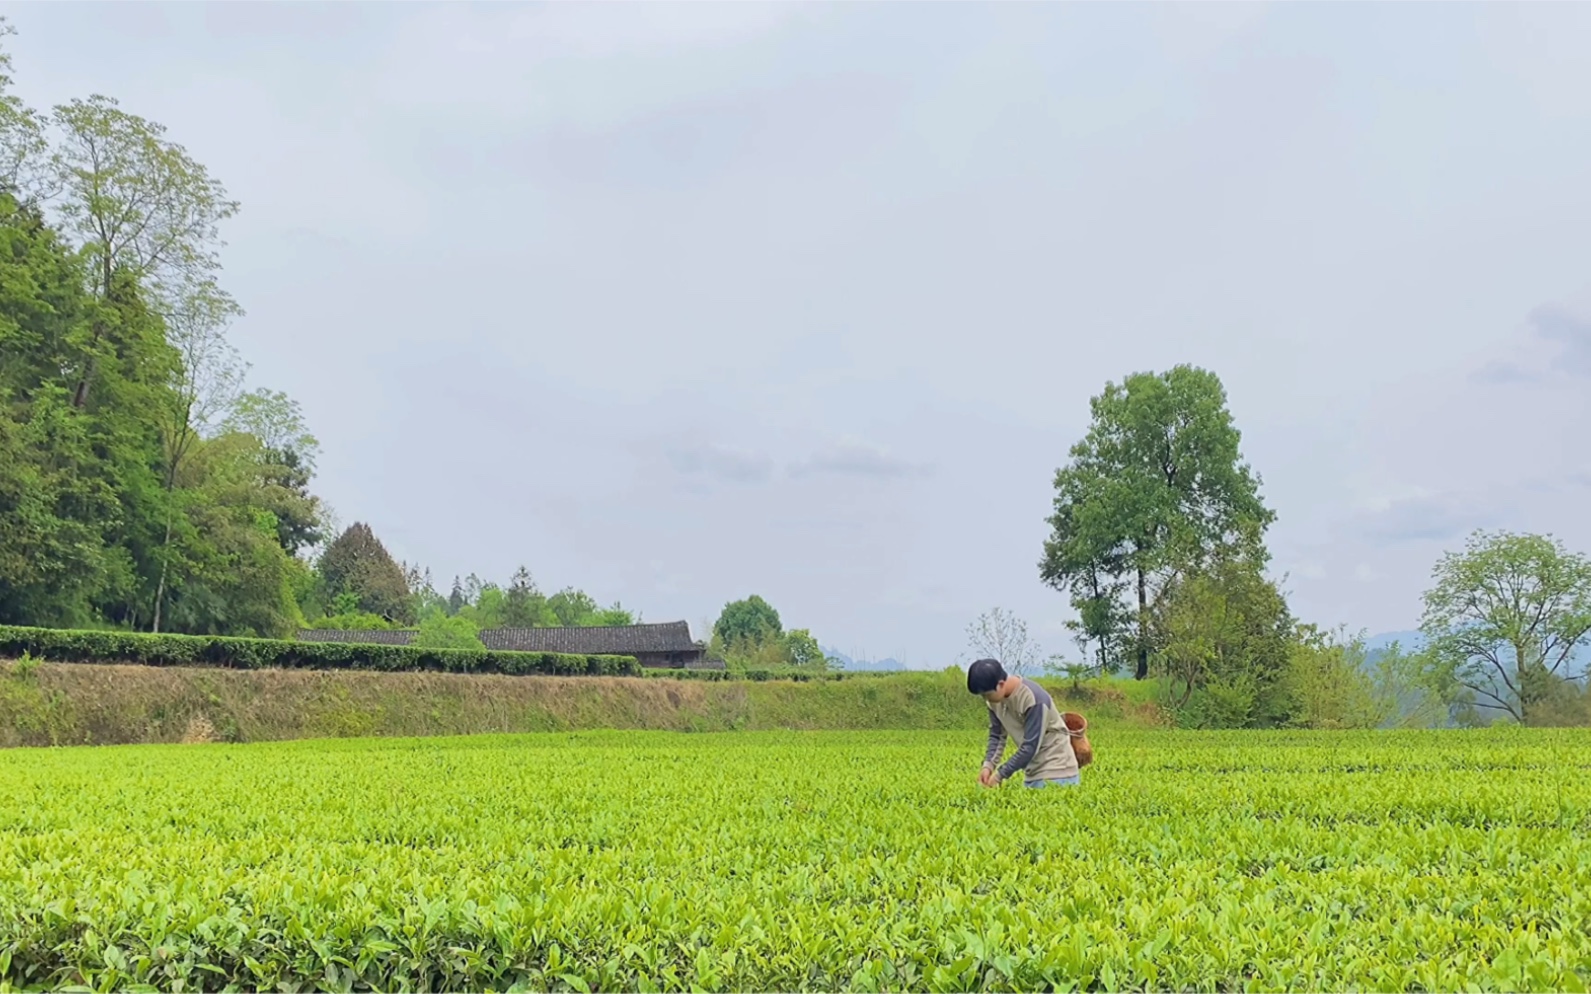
[(1070, 781)]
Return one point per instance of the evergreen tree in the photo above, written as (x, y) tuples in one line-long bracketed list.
[(359, 565), (524, 605)]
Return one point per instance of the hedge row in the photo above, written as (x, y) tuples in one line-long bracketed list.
[(251, 654)]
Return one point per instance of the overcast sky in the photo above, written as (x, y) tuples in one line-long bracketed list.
[(682, 303)]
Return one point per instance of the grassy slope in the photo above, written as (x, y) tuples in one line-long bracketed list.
[(69, 704)]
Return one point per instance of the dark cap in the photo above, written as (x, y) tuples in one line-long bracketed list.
[(984, 675)]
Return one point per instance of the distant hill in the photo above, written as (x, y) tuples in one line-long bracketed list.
[(861, 665), (1407, 641)]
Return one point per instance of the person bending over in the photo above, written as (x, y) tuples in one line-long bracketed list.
[(1021, 710)]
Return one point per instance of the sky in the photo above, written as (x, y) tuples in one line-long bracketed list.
[(678, 304)]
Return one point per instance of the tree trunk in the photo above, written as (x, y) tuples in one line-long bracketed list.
[(80, 395), (165, 558), (1143, 627)]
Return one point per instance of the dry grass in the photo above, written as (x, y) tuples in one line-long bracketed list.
[(59, 704), (82, 703)]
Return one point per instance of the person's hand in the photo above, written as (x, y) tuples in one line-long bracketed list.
[(984, 775)]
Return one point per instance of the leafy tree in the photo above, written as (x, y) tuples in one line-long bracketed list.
[(230, 573), (570, 607), (1506, 616), (144, 210), (358, 564), (752, 620), (301, 517), (1328, 684), (204, 387), (441, 631), (1101, 620), (1413, 691), (1003, 636), (455, 600), (125, 497), (1156, 486), (24, 150), (1223, 636), (803, 650), (278, 422), (58, 502), (487, 609), (613, 616)]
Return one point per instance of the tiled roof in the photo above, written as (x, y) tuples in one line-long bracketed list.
[(619, 640), (367, 637)]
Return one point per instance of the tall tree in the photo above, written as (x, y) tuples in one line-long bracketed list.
[(24, 150), (1157, 485), (229, 572), (358, 564), (1506, 617), (278, 422), (750, 621), (455, 600), (142, 208), (205, 385), (571, 607), (524, 605)]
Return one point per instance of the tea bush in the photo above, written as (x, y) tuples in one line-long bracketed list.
[(801, 861)]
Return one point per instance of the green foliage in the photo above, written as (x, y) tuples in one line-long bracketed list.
[(358, 564), (123, 502), (353, 621), (1415, 690), (1505, 617), (440, 631), (524, 605), (247, 653), (1329, 686), (1298, 861), (803, 650), (752, 621), (1157, 485), (1224, 638)]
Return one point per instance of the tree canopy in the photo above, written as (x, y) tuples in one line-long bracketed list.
[(1156, 486), (1506, 618)]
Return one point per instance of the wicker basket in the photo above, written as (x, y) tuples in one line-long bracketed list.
[(1077, 727)]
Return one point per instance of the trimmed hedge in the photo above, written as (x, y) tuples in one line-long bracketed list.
[(252, 654)]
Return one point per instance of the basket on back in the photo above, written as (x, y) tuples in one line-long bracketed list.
[(1077, 727)]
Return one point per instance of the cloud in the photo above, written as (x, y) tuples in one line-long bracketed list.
[(1502, 372), (1573, 332), (721, 463), (1429, 517), (1559, 342), (854, 459)]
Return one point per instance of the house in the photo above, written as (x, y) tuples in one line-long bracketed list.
[(656, 646)]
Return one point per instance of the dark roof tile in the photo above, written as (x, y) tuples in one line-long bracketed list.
[(618, 640), (366, 637)]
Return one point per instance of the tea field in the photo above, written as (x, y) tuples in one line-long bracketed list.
[(801, 861)]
